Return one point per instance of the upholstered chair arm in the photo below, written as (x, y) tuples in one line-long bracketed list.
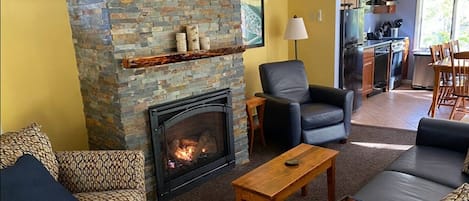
[(91, 171), (338, 97), (282, 117), (442, 133)]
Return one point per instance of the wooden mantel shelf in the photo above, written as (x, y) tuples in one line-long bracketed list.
[(179, 57)]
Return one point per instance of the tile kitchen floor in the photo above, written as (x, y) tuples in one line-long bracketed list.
[(400, 108)]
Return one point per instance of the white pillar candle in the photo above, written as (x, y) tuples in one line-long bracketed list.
[(193, 37), (181, 43), (205, 43)]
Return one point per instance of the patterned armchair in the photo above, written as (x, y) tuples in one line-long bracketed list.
[(89, 175)]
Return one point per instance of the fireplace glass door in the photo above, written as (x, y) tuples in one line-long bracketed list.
[(192, 141)]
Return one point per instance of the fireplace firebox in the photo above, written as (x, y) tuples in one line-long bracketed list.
[(192, 141)]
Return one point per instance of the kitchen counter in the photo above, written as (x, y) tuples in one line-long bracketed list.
[(374, 43), (383, 41)]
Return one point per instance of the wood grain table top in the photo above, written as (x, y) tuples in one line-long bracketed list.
[(272, 177)]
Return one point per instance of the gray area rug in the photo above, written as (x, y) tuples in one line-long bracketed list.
[(368, 151)]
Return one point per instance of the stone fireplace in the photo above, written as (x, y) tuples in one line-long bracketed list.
[(117, 99)]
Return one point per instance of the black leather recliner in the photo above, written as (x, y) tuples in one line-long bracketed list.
[(297, 112)]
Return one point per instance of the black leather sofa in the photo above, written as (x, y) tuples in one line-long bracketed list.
[(429, 170)]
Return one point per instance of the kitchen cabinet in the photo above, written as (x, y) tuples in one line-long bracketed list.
[(382, 6), (352, 3), (368, 70), (384, 9)]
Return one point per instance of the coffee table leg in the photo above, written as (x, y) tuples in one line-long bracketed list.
[(331, 181), (304, 191)]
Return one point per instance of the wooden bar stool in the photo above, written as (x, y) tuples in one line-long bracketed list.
[(258, 104)]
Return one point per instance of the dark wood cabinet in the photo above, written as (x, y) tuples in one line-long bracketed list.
[(405, 56), (368, 70)]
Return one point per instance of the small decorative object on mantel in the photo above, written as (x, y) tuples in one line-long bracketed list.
[(193, 37), (205, 43), (179, 57), (181, 42)]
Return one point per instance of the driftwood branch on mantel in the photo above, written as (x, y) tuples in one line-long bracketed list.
[(178, 57)]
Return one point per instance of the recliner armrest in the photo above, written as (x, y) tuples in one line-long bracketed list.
[(283, 117), (338, 97), (442, 133), (277, 100)]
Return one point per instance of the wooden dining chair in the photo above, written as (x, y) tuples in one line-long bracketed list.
[(454, 46), (446, 49), (460, 68), (445, 86)]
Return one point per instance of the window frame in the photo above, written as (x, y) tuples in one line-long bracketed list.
[(418, 23)]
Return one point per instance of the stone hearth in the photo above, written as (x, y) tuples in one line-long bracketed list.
[(116, 99)]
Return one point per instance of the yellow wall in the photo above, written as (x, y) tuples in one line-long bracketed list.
[(317, 52), (39, 77), (275, 49)]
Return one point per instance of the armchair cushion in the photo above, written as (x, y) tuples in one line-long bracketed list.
[(28, 179), (29, 140), (90, 171), (317, 115)]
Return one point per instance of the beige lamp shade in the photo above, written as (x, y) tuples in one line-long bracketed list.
[(296, 29)]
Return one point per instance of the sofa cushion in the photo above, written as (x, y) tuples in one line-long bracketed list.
[(29, 180), (115, 195), (460, 194), (29, 140), (317, 115), (434, 164), (393, 186), (465, 169)]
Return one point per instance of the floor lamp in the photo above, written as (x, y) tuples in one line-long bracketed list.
[(295, 30)]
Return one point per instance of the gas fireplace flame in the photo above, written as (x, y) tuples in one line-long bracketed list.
[(185, 153), (190, 149)]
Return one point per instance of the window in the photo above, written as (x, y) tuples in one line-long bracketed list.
[(440, 21)]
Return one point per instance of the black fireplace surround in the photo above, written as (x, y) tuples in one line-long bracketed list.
[(192, 141)]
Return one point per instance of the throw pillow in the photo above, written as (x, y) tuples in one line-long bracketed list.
[(465, 168), (461, 193), (28, 140), (29, 180)]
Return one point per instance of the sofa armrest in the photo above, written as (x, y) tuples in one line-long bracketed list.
[(445, 134), (91, 171), (282, 117), (338, 97)]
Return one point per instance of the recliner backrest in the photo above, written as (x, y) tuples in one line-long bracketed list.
[(286, 79)]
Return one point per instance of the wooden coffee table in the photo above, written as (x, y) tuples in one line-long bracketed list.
[(276, 181)]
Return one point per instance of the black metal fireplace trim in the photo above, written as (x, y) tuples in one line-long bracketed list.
[(198, 104)]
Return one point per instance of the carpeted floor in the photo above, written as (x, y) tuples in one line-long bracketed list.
[(368, 151)]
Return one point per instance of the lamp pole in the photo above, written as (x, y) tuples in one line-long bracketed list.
[(296, 51)]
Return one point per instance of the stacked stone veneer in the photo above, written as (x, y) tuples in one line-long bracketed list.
[(116, 100)]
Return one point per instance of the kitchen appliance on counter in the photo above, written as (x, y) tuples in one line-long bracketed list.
[(351, 52)]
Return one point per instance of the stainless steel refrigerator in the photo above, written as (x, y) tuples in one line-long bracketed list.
[(351, 52)]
